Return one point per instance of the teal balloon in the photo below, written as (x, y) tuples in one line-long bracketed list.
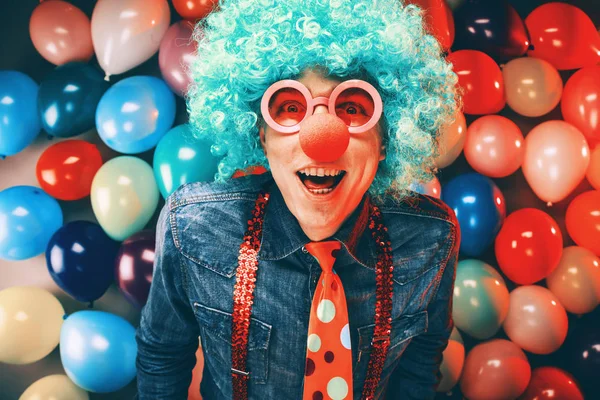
[(481, 299), (98, 350), (179, 159), (124, 196), (28, 219)]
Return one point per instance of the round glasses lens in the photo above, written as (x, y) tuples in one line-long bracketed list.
[(287, 106), (355, 106)]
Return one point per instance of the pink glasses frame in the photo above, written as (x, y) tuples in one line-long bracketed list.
[(311, 103)]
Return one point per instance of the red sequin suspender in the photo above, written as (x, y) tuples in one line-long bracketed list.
[(243, 296)]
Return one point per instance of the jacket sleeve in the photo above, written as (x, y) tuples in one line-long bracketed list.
[(418, 373), (167, 337)]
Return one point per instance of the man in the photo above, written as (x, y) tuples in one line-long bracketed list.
[(341, 102)]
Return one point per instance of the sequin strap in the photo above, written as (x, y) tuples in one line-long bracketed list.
[(243, 296)]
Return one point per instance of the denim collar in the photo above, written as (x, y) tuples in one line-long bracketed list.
[(282, 234)]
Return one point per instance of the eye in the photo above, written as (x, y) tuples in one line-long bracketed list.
[(352, 108)]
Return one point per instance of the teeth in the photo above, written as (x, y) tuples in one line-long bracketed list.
[(321, 172), (320, 191)]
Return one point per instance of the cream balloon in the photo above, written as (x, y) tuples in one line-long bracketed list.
[(533, 86), (495, 146), (451, 141), (452, 362), (556, 159), (593, 172), (576, 280), (54, 387), (125, 33), (30, 322)]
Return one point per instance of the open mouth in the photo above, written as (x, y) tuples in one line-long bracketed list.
[(320, 185)]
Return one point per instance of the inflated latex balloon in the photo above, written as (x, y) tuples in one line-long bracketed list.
[(54, 387), (495, 146), (79, 258), (197, 372), (480, 208), (30, 324), (438, 20), (124, 196), (529, 246), (451, 141), (134, 266), (533, 86), (18, 112), (125, 33), (180, 158), (495, 370), (66, 169), (576, 280), (195, 9), (536, 320), (480, 301), (583, 220), (135, 113), (98, 350), (452, 365), (252, 170), (551, 383), (556, 160), (176, 54), (28, 219), (563, 35), (593, 172), (68, 98), (580, 103), (431, 188), (61, 32)]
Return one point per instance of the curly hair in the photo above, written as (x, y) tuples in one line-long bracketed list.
[(247, 45)]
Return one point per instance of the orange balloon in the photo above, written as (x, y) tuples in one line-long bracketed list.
[(481, 79), (453, 361), (61, 32), (66, 169), (451, 141), (194, 388), (593, 172), (495, 146), (550, 383), (583, 220), (580, 103), (563, 35), (194, 9), (438, 20)]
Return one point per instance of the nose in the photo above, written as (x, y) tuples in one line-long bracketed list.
[(324, 137)]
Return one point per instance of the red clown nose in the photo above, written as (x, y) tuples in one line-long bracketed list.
[(324, 137)]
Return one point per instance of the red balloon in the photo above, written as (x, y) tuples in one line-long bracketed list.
[(583, 220), (66, 169), (438, 20), (252, 170), (528, 246), (552, 384), (563, 35), (580, 103), (481, 79), (194, 9)]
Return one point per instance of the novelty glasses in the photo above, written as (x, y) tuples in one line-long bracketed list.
[(287, 103)]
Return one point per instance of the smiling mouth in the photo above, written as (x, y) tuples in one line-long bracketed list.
[(320, 185)]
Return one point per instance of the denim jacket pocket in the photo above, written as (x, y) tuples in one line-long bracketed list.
[(404, 328), (215, 334)]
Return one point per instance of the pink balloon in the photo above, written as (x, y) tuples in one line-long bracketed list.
[(176, 55), (495, 146), (60, 32), (556, 159)]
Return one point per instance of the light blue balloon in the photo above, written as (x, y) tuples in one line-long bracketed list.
[(98, 350), (180, 159), (19, 120), (135, 113), (28, 219)]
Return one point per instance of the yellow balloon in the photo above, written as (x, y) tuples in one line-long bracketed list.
[(30, 322), (54, 387)]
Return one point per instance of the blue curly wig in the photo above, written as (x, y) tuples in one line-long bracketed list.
[(247, 45)]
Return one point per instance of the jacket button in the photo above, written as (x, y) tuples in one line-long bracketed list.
[(304, 250)]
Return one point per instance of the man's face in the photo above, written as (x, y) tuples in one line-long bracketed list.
[(321, 215)]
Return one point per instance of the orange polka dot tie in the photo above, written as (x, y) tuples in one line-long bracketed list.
[(328, 373)]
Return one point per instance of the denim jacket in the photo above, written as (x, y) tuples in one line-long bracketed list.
[(197, 242)]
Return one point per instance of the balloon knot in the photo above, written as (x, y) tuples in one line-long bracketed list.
[(65, 317), (107, 77), (91, 305), (50, 137), (549, 204)]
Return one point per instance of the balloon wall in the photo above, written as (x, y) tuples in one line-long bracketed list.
[(94, 137)]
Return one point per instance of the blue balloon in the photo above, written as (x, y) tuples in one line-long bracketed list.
[(480, 208), (68, 98), (19, 122), (80, 258), (28, 219), (135, 113), (98, 350), (179, 158)]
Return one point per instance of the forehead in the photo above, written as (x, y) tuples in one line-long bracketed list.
[(317, 81)]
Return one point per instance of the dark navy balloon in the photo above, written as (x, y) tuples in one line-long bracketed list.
[(80, 258), (68, 98), (480, 208)]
